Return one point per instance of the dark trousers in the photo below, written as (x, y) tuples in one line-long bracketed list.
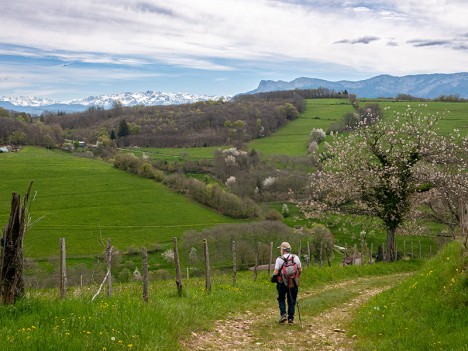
[(289, 294)]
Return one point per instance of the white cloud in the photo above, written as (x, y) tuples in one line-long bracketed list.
[(227, 35)]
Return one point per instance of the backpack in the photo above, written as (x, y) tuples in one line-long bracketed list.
[(289, 272)]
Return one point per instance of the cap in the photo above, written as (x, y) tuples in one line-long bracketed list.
[(284, 245)]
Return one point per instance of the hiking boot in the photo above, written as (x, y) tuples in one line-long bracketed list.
[(283, 319), (290, 321)]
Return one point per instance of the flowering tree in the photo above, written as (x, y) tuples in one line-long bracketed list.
[(382, 168)]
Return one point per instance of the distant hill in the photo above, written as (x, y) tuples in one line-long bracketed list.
[(428, 86), (37, 106)]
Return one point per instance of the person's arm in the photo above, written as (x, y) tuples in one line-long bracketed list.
[(274, 277)]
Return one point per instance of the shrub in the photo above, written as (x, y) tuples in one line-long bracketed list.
[(214, 196), (273, 215), (246, 236), (317, 135), (124, 275), (127, 162)]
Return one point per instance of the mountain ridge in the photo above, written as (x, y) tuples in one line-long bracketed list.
[(427, 86)]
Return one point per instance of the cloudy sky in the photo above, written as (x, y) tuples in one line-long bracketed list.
[(75, 48)]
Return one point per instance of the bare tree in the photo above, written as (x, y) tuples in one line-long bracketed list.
[(11, 278)]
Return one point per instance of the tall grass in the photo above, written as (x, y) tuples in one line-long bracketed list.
[(427, 312)]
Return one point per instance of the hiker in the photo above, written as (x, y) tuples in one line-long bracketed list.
[(286, 276)]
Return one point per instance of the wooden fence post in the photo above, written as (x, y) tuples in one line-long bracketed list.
[(207, 266), (63, 269), (109, 261), (321, 261), (412, 253), (177, 265), (257, 259), (362, 254), (144, 264), (234, 264), (404, 248), (299, 249), (354, 254), (345, 254), (271, 259), (464, 221), (420, 249), (371, 251), (308, 254)]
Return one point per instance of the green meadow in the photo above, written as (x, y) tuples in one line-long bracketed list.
[(293, 138), (456, 118), (82, 199)]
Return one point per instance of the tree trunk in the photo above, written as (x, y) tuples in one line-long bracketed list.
[(11, 276), (390, 257)]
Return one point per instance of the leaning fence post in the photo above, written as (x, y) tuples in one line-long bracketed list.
[(63, 269), (257, 259), (109, 261), (234, 264), (207, 266), (144, 265), (177, 265)]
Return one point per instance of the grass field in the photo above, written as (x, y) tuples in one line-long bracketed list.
[(81, 198), (457, 118), (292, 139)]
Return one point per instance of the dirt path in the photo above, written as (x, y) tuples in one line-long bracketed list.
[(323, 331)]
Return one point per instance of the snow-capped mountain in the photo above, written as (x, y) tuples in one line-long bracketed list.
[(37, 105)]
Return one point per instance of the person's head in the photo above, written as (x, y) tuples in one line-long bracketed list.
[(285, 247)]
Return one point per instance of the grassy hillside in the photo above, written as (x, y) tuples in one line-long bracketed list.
[(427, 312), (79, 198), (292, 139)]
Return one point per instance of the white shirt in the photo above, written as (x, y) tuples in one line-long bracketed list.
[(279, 261)]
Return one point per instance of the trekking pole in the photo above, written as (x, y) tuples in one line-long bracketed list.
[(299, 312)]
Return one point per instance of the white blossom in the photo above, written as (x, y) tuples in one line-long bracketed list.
[(269, 181)]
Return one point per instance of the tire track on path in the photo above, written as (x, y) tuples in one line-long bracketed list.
[(323, 331)]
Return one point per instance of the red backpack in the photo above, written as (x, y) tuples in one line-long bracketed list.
[(289, 273)]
